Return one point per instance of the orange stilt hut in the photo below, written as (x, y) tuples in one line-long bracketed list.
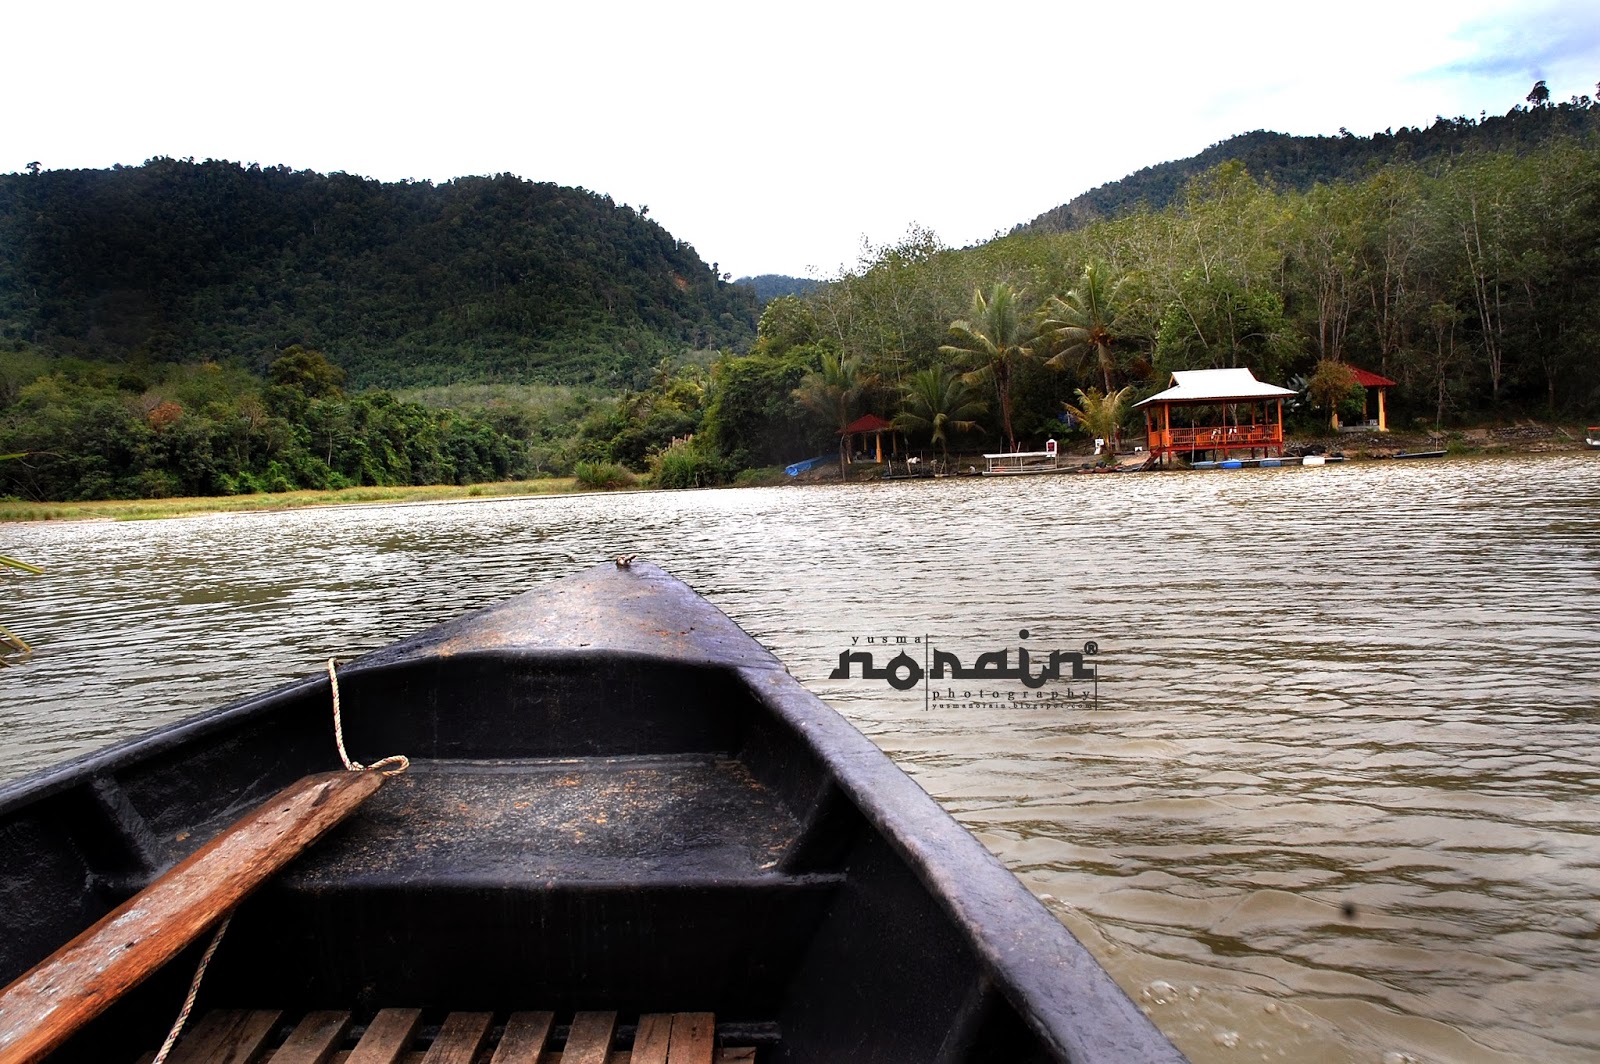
[(1238, 414)]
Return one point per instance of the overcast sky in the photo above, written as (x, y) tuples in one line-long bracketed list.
[(774, 138)]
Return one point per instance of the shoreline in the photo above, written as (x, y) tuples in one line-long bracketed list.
[(23, 512), (1477, 443)]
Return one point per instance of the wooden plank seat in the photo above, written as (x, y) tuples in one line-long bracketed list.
[(399, 1036)]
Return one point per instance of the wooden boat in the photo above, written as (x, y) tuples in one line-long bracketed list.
[(1421, 454), (623, 819)]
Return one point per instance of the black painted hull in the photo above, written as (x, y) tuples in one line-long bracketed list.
[(618, 800)]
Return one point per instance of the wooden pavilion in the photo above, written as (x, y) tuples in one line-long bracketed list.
[(1372, 382), (1237, 409), (874, 426)]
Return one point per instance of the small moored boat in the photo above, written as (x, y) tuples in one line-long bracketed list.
[(626, 833)]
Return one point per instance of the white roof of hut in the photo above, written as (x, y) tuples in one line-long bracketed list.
[(1216, 386)]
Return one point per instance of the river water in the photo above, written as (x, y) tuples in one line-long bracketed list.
[(1337, 799)]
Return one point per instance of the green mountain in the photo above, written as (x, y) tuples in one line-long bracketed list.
[(1294, 162), (409, 283), (769, 286)]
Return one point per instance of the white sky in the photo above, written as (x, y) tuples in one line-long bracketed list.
[(772, 137)]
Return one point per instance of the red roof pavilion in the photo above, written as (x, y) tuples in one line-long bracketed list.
[(866, 423), (1370, 380), (870, 425)]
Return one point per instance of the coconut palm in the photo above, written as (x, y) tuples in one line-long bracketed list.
[(8, 639), (994, 337), (936, 400), (831, 394), (1087, 321), (1101, 413)]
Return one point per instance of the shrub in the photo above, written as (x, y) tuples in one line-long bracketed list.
[(684, 464), (602, 476)]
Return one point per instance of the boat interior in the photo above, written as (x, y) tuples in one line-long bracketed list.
[(637, 818), (627, 836)]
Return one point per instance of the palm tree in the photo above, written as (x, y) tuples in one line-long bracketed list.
[(1087, 321), (831, 393), (936, 400), (996, 335), (1100, 413), (8, 639)]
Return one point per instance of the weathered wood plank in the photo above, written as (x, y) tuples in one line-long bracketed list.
[(460, 1038), (737, 1055), (654, 1037), (66, 990), (205, 1032), (694, 1038), (388, 1036), (527, 1034), (233, 1037), (589, 1039), (314, 1039)]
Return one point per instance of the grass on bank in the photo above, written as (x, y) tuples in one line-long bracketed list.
[(144, 509)]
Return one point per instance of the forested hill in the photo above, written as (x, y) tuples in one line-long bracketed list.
[(1298, 163), (769, 286), (481, 278)]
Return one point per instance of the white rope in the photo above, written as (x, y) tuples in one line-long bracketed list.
[(194, 989), (400, 761)]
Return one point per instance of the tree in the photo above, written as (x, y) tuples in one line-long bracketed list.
[(8, 639), (1088, 320), (752, 419), (1219, 280), (935, 401), (1442, 320), (1102, 413), (308, 372), (1330, 386), (1324, 245), (787, 322), (1540, 96), (995, 336), (830, 393)]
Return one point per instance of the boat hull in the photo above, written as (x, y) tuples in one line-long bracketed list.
[(618, 800)]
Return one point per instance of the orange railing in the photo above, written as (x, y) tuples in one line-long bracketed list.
[(1223, 437)]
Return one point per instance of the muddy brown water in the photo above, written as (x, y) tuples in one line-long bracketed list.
[(1337, 800)]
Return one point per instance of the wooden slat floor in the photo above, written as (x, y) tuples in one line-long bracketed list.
[(397, 1036)]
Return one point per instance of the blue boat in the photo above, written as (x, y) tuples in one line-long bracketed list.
[(810, 463)]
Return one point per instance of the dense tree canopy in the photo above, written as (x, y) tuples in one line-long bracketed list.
[(93, 431), (399, 283), (1294, 162), (211, 328)]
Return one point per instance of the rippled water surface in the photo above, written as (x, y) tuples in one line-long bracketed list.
[(1340, 798)]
